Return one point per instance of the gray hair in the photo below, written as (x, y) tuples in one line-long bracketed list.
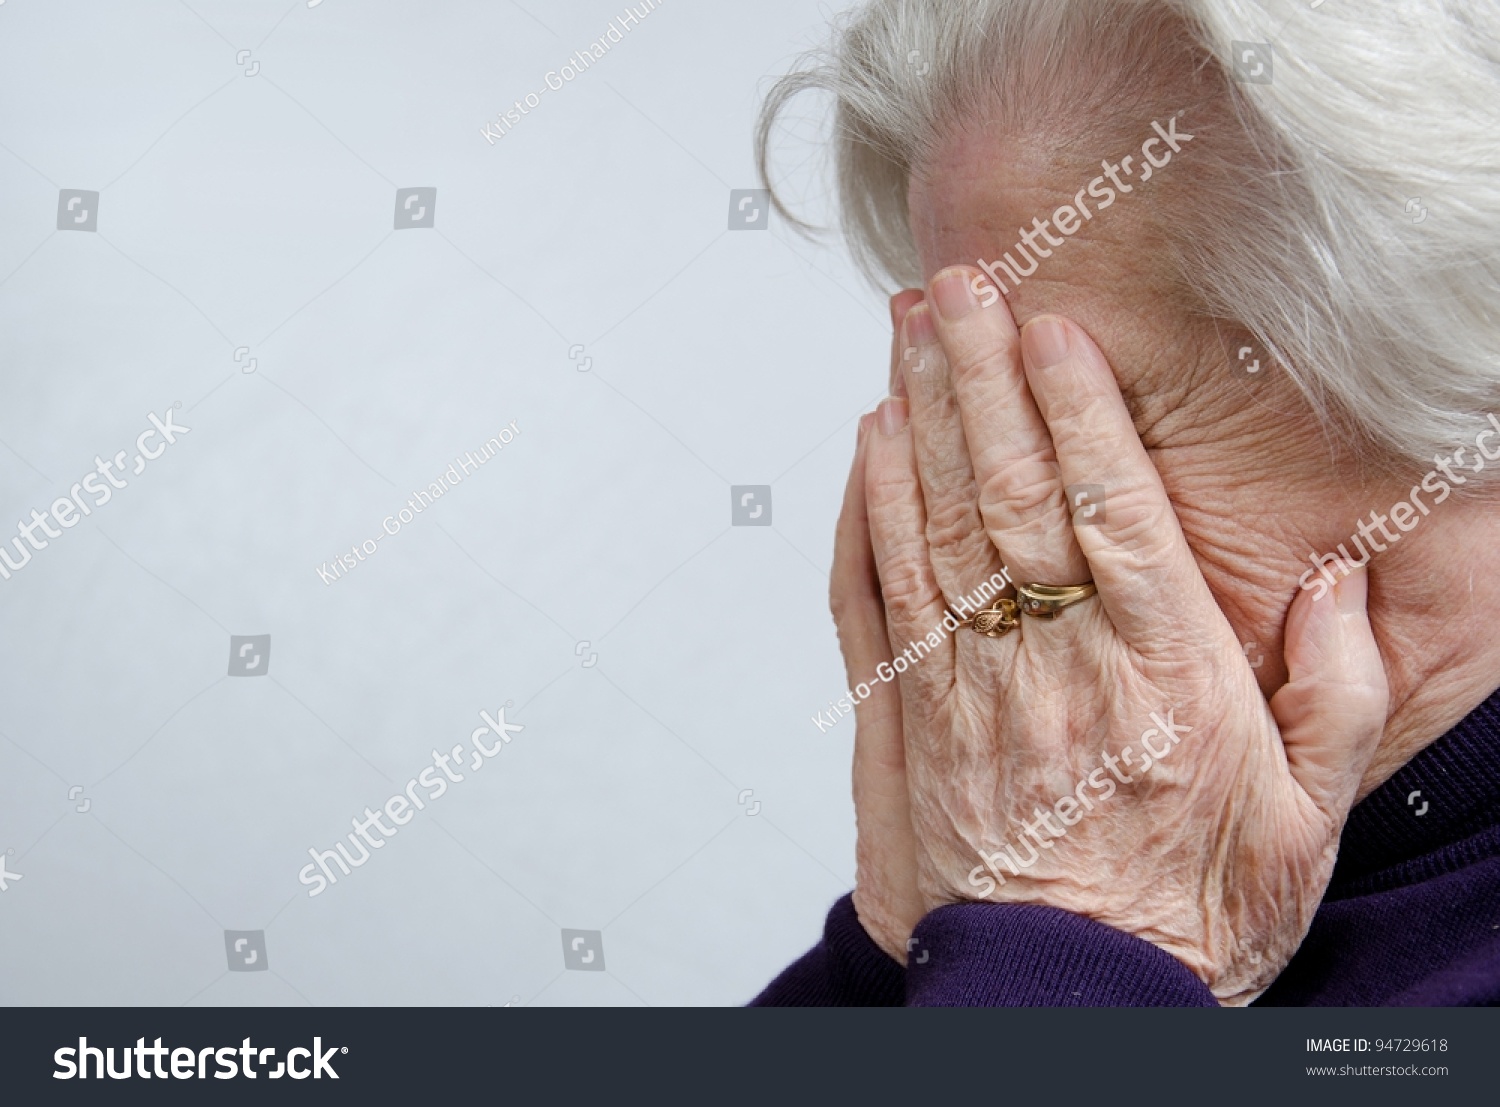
[(1362, 251)]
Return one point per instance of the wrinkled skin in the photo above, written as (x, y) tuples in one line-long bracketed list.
[(885, 882), (1219, 852)]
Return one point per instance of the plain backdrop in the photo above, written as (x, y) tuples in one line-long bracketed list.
[(669, 789)]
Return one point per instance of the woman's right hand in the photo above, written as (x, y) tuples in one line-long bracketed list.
[(885, 886)]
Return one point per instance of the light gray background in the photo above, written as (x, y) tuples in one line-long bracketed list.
[(257, 211)]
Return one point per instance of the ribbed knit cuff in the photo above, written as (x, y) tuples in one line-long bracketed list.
[(863, 969), (845, 969), (1015, 955)]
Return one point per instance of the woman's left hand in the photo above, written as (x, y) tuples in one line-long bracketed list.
[(1118, 761)]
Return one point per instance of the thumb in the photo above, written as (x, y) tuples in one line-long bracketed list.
[(1332, 709)]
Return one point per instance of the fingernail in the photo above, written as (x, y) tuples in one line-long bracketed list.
[(864, 426), (1349, 593), (897, 311), (891, 416), (953, 295), (920, 330), (1044, 341), (898, 386)]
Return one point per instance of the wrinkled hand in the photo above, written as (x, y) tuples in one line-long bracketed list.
[(1119, 761), (885, 884)]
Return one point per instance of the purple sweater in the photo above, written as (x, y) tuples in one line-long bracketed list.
[(1411, 918)]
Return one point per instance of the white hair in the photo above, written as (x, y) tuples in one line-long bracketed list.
[(1360, 245)]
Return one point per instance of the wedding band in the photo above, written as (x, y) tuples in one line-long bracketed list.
[(1046, 601), (995, 621)]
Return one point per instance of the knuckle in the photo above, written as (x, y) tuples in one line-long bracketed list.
[(1021, 490), (953, 525), (979, 357), (1074, 416), (1368, 703), (1142, 532), (848, 606), (839, 606), (886, 488), (905, 582)]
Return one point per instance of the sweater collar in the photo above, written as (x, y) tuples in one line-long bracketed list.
[(1407, 829)]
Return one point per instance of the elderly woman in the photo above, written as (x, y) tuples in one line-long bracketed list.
[(1204, 360)]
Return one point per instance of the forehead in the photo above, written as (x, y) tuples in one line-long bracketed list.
[(980, 192), (989, 188), (983, 189)]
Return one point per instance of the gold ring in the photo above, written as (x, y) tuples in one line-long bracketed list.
[(1046, 601), (995, 621)]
